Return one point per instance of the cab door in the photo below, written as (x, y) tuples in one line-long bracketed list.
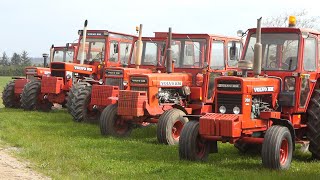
[(216, 66), (307, 79)]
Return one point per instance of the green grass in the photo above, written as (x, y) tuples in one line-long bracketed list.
[(62, 149)]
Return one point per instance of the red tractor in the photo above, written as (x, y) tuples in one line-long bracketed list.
[(12, 92), (274, 106), (93, 97), (97, 49), (164, 98)]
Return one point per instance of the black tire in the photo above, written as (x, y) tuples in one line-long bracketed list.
[(170, 125), (313, 132), (29, 97), (277, 148), (108, 123), (191, 146), (9, 99), (72, 93), (80, 110)]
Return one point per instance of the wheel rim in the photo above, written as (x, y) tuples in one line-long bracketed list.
[(176, 129), (201, 147), (284, 151)]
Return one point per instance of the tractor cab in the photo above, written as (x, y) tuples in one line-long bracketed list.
[(64, 53), (289, 54)]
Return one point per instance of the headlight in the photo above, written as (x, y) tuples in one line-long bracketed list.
[(125, 83), (236, 110), (222, 109), (101, 81)]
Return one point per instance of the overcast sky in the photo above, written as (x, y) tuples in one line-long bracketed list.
[(33, 25)]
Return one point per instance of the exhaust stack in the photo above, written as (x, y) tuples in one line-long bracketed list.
[(257, 51), (45, 56), (139, 48), (169, 52), (51, 53), (84, 37)]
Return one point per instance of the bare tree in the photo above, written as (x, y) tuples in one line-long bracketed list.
[(303, 20)]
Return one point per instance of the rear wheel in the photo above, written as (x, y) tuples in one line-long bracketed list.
[(277, 148), (313, 132), (30, 97), (112, 125), (191, 146), (81, 110), (170, 125), (9, 99)]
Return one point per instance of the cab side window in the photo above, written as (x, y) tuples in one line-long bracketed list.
[(125, 48), (309, 54), (217, 55), (234, 51)]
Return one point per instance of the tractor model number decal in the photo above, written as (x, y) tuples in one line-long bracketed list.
[(110, 72), (229, 85), (170, 83), (82, 68), (264, 89), (139, 80)]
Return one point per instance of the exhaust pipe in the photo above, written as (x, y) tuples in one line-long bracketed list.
[(169, 52), (51, 53), (257, 51), (84, 37), (45, 56), (139, 48)]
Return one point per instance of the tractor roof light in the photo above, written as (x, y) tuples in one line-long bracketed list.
[(292, 21)]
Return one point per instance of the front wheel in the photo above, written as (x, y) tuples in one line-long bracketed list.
[(112, 125), (170, 125), (277, 148), (191, 146)]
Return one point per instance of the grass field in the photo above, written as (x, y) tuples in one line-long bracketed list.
[(62, 149)]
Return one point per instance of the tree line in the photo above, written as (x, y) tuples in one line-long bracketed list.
[(15, 65)]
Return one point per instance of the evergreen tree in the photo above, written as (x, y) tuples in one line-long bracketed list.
[(4, 59), (16, 59), (25, 60)]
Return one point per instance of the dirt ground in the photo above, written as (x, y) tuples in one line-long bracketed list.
[(12, 168)]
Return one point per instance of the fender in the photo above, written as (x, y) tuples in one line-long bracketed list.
[(288, 124)]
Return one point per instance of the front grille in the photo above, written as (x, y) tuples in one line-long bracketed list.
[(115, 82), (229, 101), (57, 66), (137, 88), (57, 73)]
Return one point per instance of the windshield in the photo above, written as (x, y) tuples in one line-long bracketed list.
[(279, 50), (188, 53), (94, 50), (63, 55), (152, 52)]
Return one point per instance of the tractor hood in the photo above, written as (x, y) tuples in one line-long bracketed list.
[(124, 72), (37, 71), (72, 67), (250, 85), (161, 79)]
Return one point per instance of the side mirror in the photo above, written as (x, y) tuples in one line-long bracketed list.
[(233, 52), (240, 33)]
